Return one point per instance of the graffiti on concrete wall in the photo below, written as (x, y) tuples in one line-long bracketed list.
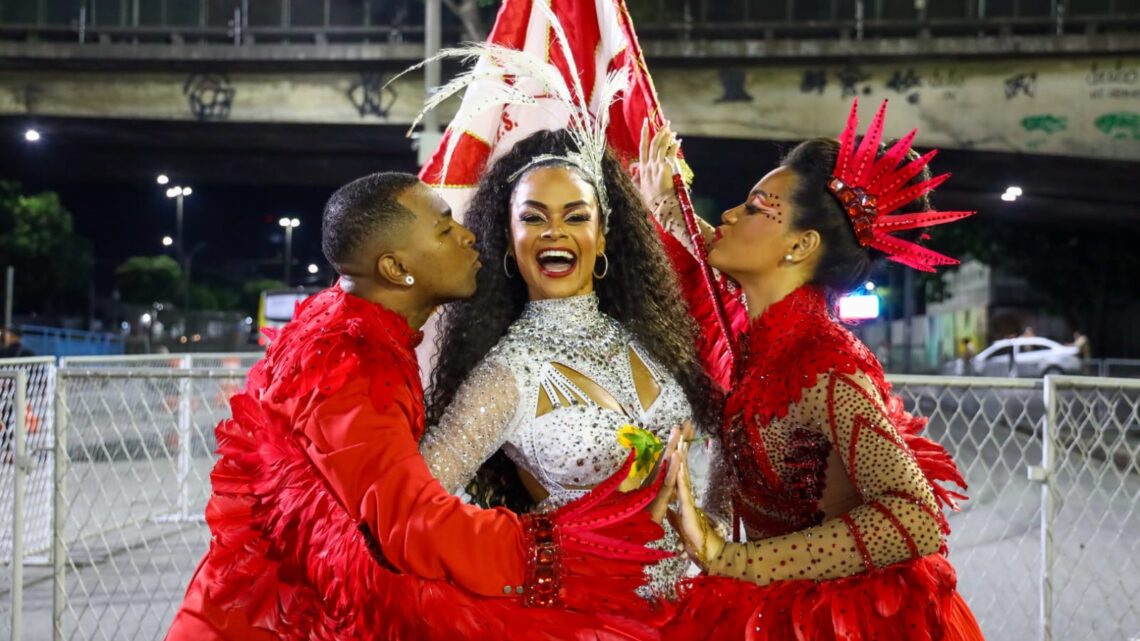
[(371, 95), (210, 96), (906, 82), (1071, 106), (1121, 125), (1115, 81), (732, 84), (1021, 84), (1012, 105), (1045, 123), (813, 81), (853, 81)]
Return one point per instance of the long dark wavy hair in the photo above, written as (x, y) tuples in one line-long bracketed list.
[(640, 291)]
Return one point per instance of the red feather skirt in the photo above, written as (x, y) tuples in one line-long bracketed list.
[(911, 601)]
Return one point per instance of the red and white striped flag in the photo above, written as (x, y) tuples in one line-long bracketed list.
[(601, 39)]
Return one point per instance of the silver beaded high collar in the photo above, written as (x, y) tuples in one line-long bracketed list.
[(574, 322)]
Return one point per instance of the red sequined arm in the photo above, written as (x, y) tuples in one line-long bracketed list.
[(898, 519)]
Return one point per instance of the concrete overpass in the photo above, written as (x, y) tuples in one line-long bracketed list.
[(1072, 100), (1058, 113)]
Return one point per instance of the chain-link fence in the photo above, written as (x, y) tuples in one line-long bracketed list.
[(1092, 508), (39, 410), (13, 475), (208, 360), (1046, 546), (135, 451), (1047, 537), (27, 392), (1120, 367)]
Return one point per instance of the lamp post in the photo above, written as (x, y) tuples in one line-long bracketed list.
[(186, 290), (177, 193), (145, 320), (289, 224)]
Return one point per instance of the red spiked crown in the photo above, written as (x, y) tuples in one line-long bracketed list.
[(869, 190)]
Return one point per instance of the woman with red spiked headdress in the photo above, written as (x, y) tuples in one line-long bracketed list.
[(840, 496)]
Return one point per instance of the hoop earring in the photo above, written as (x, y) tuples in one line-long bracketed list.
[(506, 266), (604, 271)]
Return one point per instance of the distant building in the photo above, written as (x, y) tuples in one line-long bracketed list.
[(980, 304)]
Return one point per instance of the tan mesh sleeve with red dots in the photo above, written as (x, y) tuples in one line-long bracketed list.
[(897, 520)]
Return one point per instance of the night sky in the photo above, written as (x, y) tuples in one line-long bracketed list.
[(247, 176), (237, 223), (238, 195)]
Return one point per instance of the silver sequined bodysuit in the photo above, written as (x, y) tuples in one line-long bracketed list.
[(573, 446)]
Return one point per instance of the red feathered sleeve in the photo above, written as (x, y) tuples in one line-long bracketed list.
[(361, 440)]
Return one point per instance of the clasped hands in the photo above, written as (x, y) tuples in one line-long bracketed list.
[(676, 502)]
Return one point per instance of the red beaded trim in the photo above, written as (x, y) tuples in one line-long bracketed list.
[(543, 568), (868, 562), (860, 207), (899, 527)]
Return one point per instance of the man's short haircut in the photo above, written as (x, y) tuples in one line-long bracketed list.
[(361, 209)]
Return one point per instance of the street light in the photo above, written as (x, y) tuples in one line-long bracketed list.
[(289, 224), (186, 275), (145, 321), (178, 193), (167, 241), (31, 135), (313, 268), (162, 179)]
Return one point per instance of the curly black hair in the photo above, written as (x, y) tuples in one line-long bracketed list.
[(640, 291), (360, 209), (844, 264)]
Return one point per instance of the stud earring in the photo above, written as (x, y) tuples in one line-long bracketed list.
[(409, 280), (788, 257)]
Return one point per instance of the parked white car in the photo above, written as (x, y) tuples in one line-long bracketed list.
[(1027, 358)]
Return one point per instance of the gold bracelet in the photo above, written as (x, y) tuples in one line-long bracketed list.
[(703, 551)]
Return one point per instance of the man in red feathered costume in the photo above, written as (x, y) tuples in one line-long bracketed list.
[(326, 521)]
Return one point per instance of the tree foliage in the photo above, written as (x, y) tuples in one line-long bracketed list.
[(146, 279), (37, 237), (251, 293)]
